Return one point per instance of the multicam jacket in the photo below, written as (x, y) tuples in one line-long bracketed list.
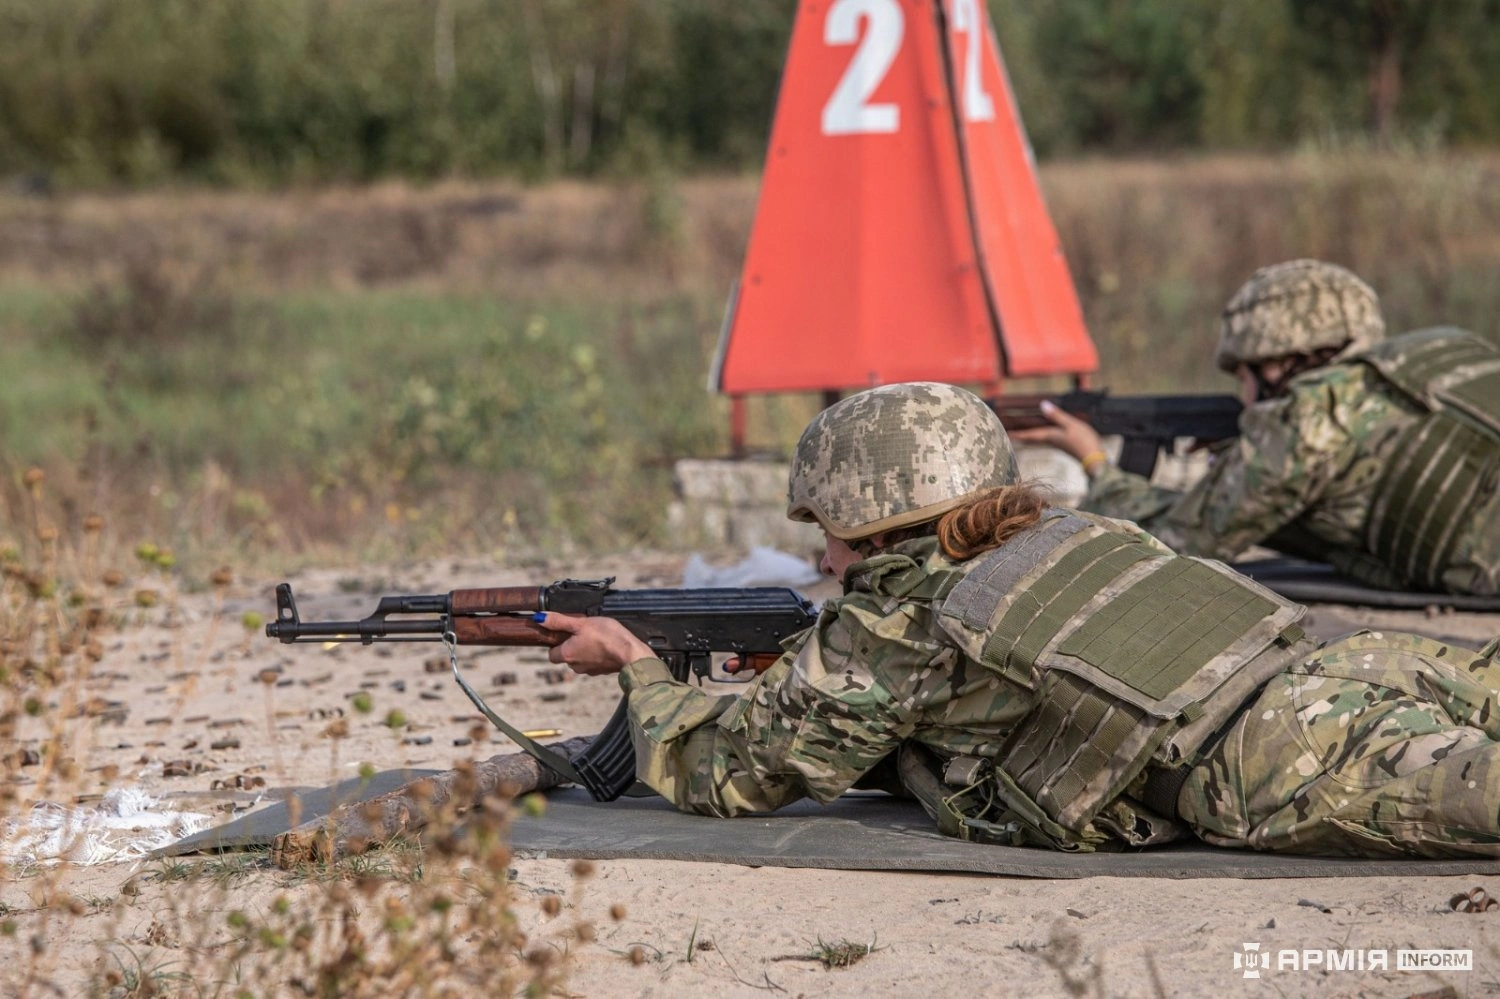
[(1352, 467), (1058, 670)]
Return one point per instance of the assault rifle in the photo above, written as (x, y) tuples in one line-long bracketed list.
[(683, 627), (1147, 422)]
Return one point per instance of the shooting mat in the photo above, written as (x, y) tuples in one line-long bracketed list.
[(1318, 583), (861, 831), (256, 830)]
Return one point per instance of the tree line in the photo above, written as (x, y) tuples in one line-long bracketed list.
[(103, 92)]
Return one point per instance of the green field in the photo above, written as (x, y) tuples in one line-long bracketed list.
[(474, 368)]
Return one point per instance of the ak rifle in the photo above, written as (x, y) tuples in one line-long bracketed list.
[(1148, 423), (684, 627)]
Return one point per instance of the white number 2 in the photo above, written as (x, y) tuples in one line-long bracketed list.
[(977, 104), (848, 111)]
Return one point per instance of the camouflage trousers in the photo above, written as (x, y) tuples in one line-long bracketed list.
[(1380, 745)]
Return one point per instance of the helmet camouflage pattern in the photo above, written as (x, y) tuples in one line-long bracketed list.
[(1298, 307), (896, 456)]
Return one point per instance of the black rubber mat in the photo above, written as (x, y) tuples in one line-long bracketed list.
[(860, 831), (1318, 583)]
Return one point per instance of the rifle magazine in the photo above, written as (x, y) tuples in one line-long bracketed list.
[(606, 767)]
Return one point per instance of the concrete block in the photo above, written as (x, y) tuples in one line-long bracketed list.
[(733, 483), (737, 505)]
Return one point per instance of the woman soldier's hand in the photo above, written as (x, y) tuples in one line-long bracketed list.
[(596, 646)]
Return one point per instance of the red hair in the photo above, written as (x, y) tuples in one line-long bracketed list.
[(989, 520)]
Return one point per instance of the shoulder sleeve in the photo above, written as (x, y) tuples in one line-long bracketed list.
[(1122, 495), (810, 726), (1288, 451)]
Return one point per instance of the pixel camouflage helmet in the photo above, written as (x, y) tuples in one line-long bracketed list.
[(896, 456), (1298, 307)]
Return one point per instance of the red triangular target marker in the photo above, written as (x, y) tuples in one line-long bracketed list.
[(901, 233)]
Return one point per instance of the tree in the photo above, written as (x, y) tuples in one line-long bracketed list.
[(1123, 70), (1373, 38)]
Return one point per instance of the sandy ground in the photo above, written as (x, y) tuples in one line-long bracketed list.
[(182, 691)]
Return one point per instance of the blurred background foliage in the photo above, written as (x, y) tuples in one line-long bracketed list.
[(276, 91), (314, 279)]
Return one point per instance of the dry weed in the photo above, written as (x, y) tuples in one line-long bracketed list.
[(409, 920)]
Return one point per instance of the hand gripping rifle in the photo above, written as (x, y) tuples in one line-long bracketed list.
[(683, 627), (1147, 423)]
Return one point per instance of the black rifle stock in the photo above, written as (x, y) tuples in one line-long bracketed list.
[(684, 627), (1147, 423)]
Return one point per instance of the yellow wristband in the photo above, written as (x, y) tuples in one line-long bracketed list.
[(1092, 459)]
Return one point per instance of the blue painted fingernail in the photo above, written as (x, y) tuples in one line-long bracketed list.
[(539, 616)]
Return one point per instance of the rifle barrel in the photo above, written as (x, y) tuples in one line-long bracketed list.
[(295, 631)]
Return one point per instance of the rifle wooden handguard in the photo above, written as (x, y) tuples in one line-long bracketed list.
[(497, 600), (504, 630)]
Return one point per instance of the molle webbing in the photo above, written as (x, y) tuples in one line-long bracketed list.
[(1422, 503), (1055, 599), (1446, 461), (1156, 634), (1149, 642), (1075, 736), (1128, 649), (1444, 368), (999, 571)]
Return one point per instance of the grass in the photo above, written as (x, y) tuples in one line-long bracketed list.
[(243, 389), (694, 945), (834, 954), (222, 870), (171, 871), (239, 385), (398, 860), (384, 409), (404, 920), (134, 977), (842, 953)]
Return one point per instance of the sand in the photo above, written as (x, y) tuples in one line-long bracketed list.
[(183, 689)]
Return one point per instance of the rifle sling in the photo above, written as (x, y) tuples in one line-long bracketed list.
[(552, 760)]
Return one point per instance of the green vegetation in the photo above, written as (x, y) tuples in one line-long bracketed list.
[(295, 90), (334, 404), (1185, 74), (284, 91), (485, 369), (838, 954)]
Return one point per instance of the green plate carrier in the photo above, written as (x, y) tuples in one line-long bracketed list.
[(1446, 464), (1135, 656)]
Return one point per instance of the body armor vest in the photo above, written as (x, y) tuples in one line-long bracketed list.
[(1444, 465), (1134, 656)]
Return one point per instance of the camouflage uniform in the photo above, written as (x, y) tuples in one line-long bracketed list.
[(878, 668), (1303, 477), (1378, 744), (1079, 686), (1384, 462), (1309, 457)]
